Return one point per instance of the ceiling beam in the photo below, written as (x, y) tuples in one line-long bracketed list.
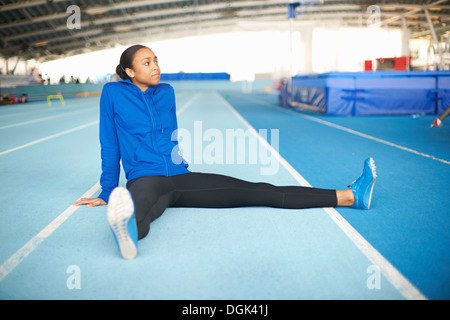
[(167, 13), (25, 4), (412, 12), (48, 32)]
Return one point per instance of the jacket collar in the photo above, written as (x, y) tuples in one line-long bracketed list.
[(150, 90)]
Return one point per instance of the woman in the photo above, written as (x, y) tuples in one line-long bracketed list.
[(137, 119)]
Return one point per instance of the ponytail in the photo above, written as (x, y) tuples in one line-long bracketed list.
[(126, 60), (121, 72)]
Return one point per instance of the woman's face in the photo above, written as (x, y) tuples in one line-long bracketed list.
[(145, 71)]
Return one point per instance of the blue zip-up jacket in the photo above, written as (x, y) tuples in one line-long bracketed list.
[(137, 127)]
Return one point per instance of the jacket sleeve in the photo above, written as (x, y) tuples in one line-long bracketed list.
[(177, 157), (174, 108), (110, 152)]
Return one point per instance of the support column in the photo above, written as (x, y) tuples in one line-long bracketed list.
[(306, 35), (406, 36), (292, 7), (434, 36)]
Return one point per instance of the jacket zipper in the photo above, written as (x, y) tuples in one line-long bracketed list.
[(156, 110), (154, 126)]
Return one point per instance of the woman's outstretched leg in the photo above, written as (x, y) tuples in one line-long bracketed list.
[(208, 190), (219, 191)]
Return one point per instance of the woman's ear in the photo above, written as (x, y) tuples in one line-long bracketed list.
[(129, 72)]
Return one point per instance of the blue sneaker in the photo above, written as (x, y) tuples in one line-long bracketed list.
[(122, 221), (363, 186)]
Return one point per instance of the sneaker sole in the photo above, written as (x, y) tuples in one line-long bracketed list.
[(120, 210), (373, 168)]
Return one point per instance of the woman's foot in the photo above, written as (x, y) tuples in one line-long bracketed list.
[(122, 221), (363, 187)]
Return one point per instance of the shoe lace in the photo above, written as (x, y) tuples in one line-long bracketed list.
[(349, 186)]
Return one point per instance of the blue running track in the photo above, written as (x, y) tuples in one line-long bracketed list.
[(50, 157)]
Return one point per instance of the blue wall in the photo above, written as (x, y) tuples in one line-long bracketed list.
[(369, 93)]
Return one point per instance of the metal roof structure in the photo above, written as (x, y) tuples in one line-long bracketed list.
[(48, 29)]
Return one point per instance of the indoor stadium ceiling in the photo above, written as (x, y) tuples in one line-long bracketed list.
[(48, 29)]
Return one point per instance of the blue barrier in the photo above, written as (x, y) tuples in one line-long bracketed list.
[(7, 80), (41, 92), (194, 76), (368, 93)]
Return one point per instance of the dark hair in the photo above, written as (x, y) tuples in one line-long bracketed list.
[(126, 59)]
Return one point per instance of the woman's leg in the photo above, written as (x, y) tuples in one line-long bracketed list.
[(220, 191), (151, 196)]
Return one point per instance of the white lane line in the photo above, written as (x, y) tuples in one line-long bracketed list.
[(336, 126), (31, 110), (394, 276), (10, 264), (391, 273), (374, 138), (31, 121), (31, 245), (45, 118), (50, 137), (187, 104)]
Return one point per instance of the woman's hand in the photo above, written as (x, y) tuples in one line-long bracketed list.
[(90, 202)]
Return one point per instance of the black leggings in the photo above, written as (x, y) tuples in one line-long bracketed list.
[(153, 194)]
